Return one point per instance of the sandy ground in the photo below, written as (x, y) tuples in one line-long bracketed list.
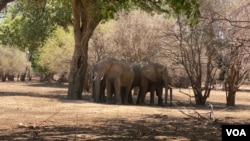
[(37, 111)]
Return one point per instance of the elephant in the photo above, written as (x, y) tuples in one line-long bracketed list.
[(101, 96), (137, 68), (117, 73), (154, 76)]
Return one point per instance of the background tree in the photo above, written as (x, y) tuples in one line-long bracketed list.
[(12, 61), (235, 51), (55, 55), (136, 36), (126, 38), (194, 49)]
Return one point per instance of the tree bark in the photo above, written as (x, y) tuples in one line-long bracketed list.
[(230, 94), (200, 98), (231, 98), (3, 3), (84, 25)]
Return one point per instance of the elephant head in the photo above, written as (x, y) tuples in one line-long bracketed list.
[(102, 85), (115, 74), (99, 78)]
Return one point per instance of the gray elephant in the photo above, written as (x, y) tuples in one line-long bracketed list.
[(137, 68), (117, 73), (154, 76), (101, 96)]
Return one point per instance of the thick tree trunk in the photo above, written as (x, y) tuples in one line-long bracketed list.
[(77, 70), (231, 98), (200, 99), (3, 3), (84, 24)]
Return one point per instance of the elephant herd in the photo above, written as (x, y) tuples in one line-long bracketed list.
[(118, 78)]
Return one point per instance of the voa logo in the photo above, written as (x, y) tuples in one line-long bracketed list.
[(236, 132)]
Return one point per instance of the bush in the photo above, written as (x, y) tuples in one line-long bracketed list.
[(12, 62), (56, 54)]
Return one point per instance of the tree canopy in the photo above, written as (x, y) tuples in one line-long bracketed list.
[(28, 25)]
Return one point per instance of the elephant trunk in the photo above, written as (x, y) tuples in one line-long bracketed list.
[(97, 88)]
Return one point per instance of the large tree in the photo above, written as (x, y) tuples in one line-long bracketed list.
[(87, 14)]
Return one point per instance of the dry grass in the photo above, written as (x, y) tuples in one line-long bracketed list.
[(34, 111)]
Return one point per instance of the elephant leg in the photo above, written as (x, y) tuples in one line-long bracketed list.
[(93, 91), (97, 84), (171, 96), (143, 92), (166, 96), (159, 95), (117, 86), (152, 95), (122, 92), (109, 93), (130, 98), (113, 95), (127, 93), (102, 91), (138, 97)]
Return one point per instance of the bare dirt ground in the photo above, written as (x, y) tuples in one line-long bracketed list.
[(37, 111)]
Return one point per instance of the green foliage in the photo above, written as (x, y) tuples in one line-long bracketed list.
[(189, 8), (56, 54), (29, 24), (106, 8)]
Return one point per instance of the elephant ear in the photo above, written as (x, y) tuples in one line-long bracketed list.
[(164, 70), (149, 72)]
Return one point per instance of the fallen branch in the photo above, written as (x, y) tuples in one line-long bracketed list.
[(199, 115), (190, 96), (35, 132), (48, 118)]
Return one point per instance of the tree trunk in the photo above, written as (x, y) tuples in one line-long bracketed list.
[(84, 24), (3, 3), (11, 77), (200, 100), (231, 97), (77, 70), (4, 77)]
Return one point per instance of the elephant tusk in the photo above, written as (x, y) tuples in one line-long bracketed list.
[(94, 78)]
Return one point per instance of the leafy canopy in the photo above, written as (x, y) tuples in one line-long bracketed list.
[(29, 24), (190, 8)]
